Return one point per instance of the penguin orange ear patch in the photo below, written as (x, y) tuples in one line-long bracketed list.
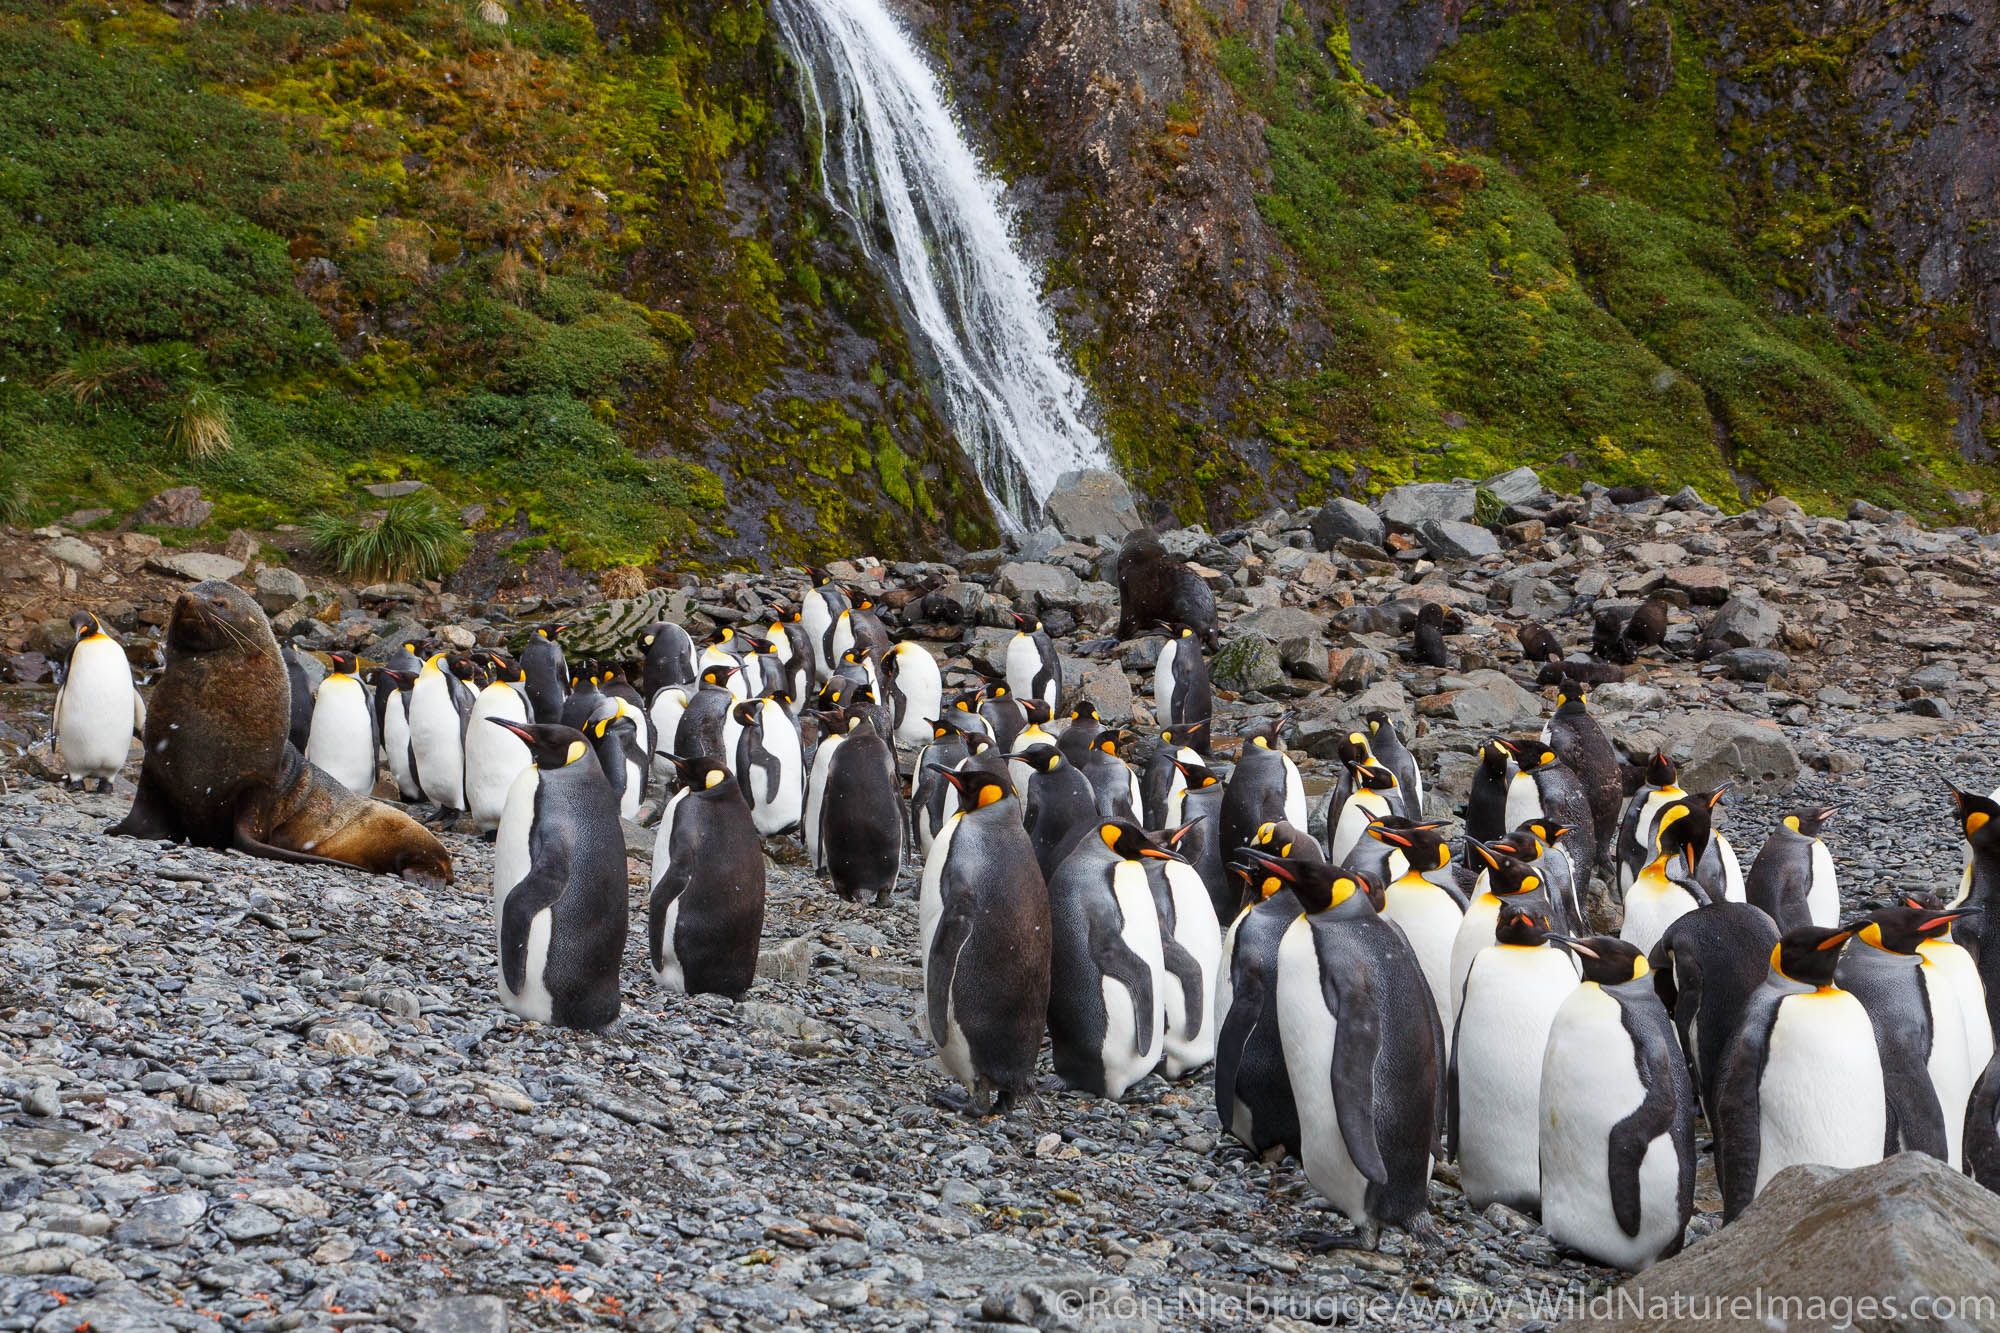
[(990, 793), (715, 776), (576, 751), (1529, 883), (1976, 821), (1792, 823)]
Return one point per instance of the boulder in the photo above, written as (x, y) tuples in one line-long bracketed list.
[(1097, 606), (1823, 1248), (279, 589), (1105, 684), (1704, 585), (1295, 634), (987, 649), (1247, 662), (179, 507), (1447, 539), (76, 553), (454, 1314), (1341, 520), (1035, 588), (1753, 755), (393, 490), (1093, 503), (1515, 486), (1754, 664), (1495, 703), (1434, 501), (1536, 600), (1745, 622), (195, 566)]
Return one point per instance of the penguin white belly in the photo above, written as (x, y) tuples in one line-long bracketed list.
[(1362, 808), (493, 757), (1307, 1033), (1588, 1086), (1823, 898), (341, 739), (816, 798), (1820, 1099), (732, 732), (1429, 920), (671, 974), (777, 814), (396, 745), (1295, 794), (1951, 1076), (434, 735), (1163, 683), (921, 685), (669, 702), (1024, 663), (1124, 1064), (1958, 977), (1732, 871), (1642, 833), (95, 710), (953, 1048), (635, 787), (1524, 800), (1651, 905), (1475, 932), (1191, 1044), (1511, 998), (511, 863)]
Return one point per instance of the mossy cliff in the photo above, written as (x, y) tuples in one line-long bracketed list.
[(579, 278), (572, 264), (1707, 241)]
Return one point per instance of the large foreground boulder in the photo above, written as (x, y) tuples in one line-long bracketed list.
[(1905, 1244), (1093, 504)]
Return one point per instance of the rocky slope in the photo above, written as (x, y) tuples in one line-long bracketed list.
[(235, 1095)]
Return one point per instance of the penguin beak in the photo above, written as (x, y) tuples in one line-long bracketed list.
[(1574, 945), (1388, 835), (955, 778), (512, 726), (1486, 853), (1689, 855)]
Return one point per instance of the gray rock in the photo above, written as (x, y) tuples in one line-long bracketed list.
[(1746, 622), (1104, 684), (1248, 662), (1423, 502), (279, 589), (1296, 634), (1536, 599), (126, 1312), (1753, 755), (179, 507), (1495, 703), (1894, 1235), (789, 961), (1341, 519), (181, 1208), (76, 553), (1097, 605), (454, 1314), (1036, 588), (393, 490), (1754, 664), (1861, 509), (987, 648), (1447, 539), (1091, 504), (1625, 696), (1925, 706), (195, 566), (247, 1221), (1515, 486)]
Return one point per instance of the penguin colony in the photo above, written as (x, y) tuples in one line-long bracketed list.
[(1550, 996)]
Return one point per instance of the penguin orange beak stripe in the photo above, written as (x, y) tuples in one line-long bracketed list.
[(514, 727), (1834, 941)]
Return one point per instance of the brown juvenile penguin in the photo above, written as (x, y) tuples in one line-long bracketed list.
[(220, 770)]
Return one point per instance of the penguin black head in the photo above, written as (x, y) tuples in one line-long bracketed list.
[(1027, 624), (746, 712), (1534, 758), (1269, 838), (1978, 818), (550, 745), (1522, 929), (1682, 831), (1901, 929), (1607, 960), (1809, 954), (1374, 777), (1571, 698), (998, 690), (699, 773), (342, 663), (1507, 874), (977, 789), (1811, 820), (1660, 771), (1083, 711), (85, 624), (402, 680), (1129, 841), (1038, 712), (1320, 886), (1493, 757), (463, 667), (1186, 734), (780, 695), (1108, 741), (1042, 757), (1543, 831), (977, 743), (1196, 775), (1176, 836), (1424, 845), (1378, 722), (717, 675), (967, 703), (1264, 736), (551, 631)]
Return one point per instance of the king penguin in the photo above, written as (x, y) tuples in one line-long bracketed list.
[(1486, 804), (302, 685), (1363, 1050), (1161, 780), (396, 733), (1667, 889), (823, 606), (559, 884), (667, 652), (1616, 1112), (1191, 949), (1881, 968), (1507, 879), (769, 764), (983, 927), (1107, 975), (1511, 993), (1963, 1044), (1428, 914), (1547, 789), (1199, 804), (622, 755), (1059, 800), (494, 756), (1801, 1081), (706, 912), (1979, 891), (1580, 743), (916, 689), (1706, 966), (437, 736), (1081, 729), (698, 735), (1033, 669), (98, 710), (1793, 877), (1660, 789), (1253, 1093), (1264, 788), (1111, 778), (548, 673), (1389, 750), (1181, 692), (1372, 794), (860, 813)]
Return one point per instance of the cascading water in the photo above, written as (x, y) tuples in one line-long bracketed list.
[(893, 161)]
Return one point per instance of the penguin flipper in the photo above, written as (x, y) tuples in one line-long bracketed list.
[(542, 887), (1182, 967), (672, 884), (1114, 958), (954, 929), (1357, 1040), (1739, 1100)]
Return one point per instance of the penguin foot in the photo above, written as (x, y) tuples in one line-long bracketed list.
[(952, 1099), (1323, 1242)]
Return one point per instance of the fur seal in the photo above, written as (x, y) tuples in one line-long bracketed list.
[(220, 770), (1156, 589)]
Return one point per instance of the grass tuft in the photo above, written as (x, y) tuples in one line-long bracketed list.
[(198, 423), (411, 540)]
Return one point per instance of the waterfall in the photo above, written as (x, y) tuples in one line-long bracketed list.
[(932, 221)]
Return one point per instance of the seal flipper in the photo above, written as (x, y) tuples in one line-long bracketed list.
[(243, 838), (150, 816), (542, 887)]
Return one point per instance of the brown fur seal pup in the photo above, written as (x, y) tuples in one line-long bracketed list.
[(1156, 589), (220, 771)]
